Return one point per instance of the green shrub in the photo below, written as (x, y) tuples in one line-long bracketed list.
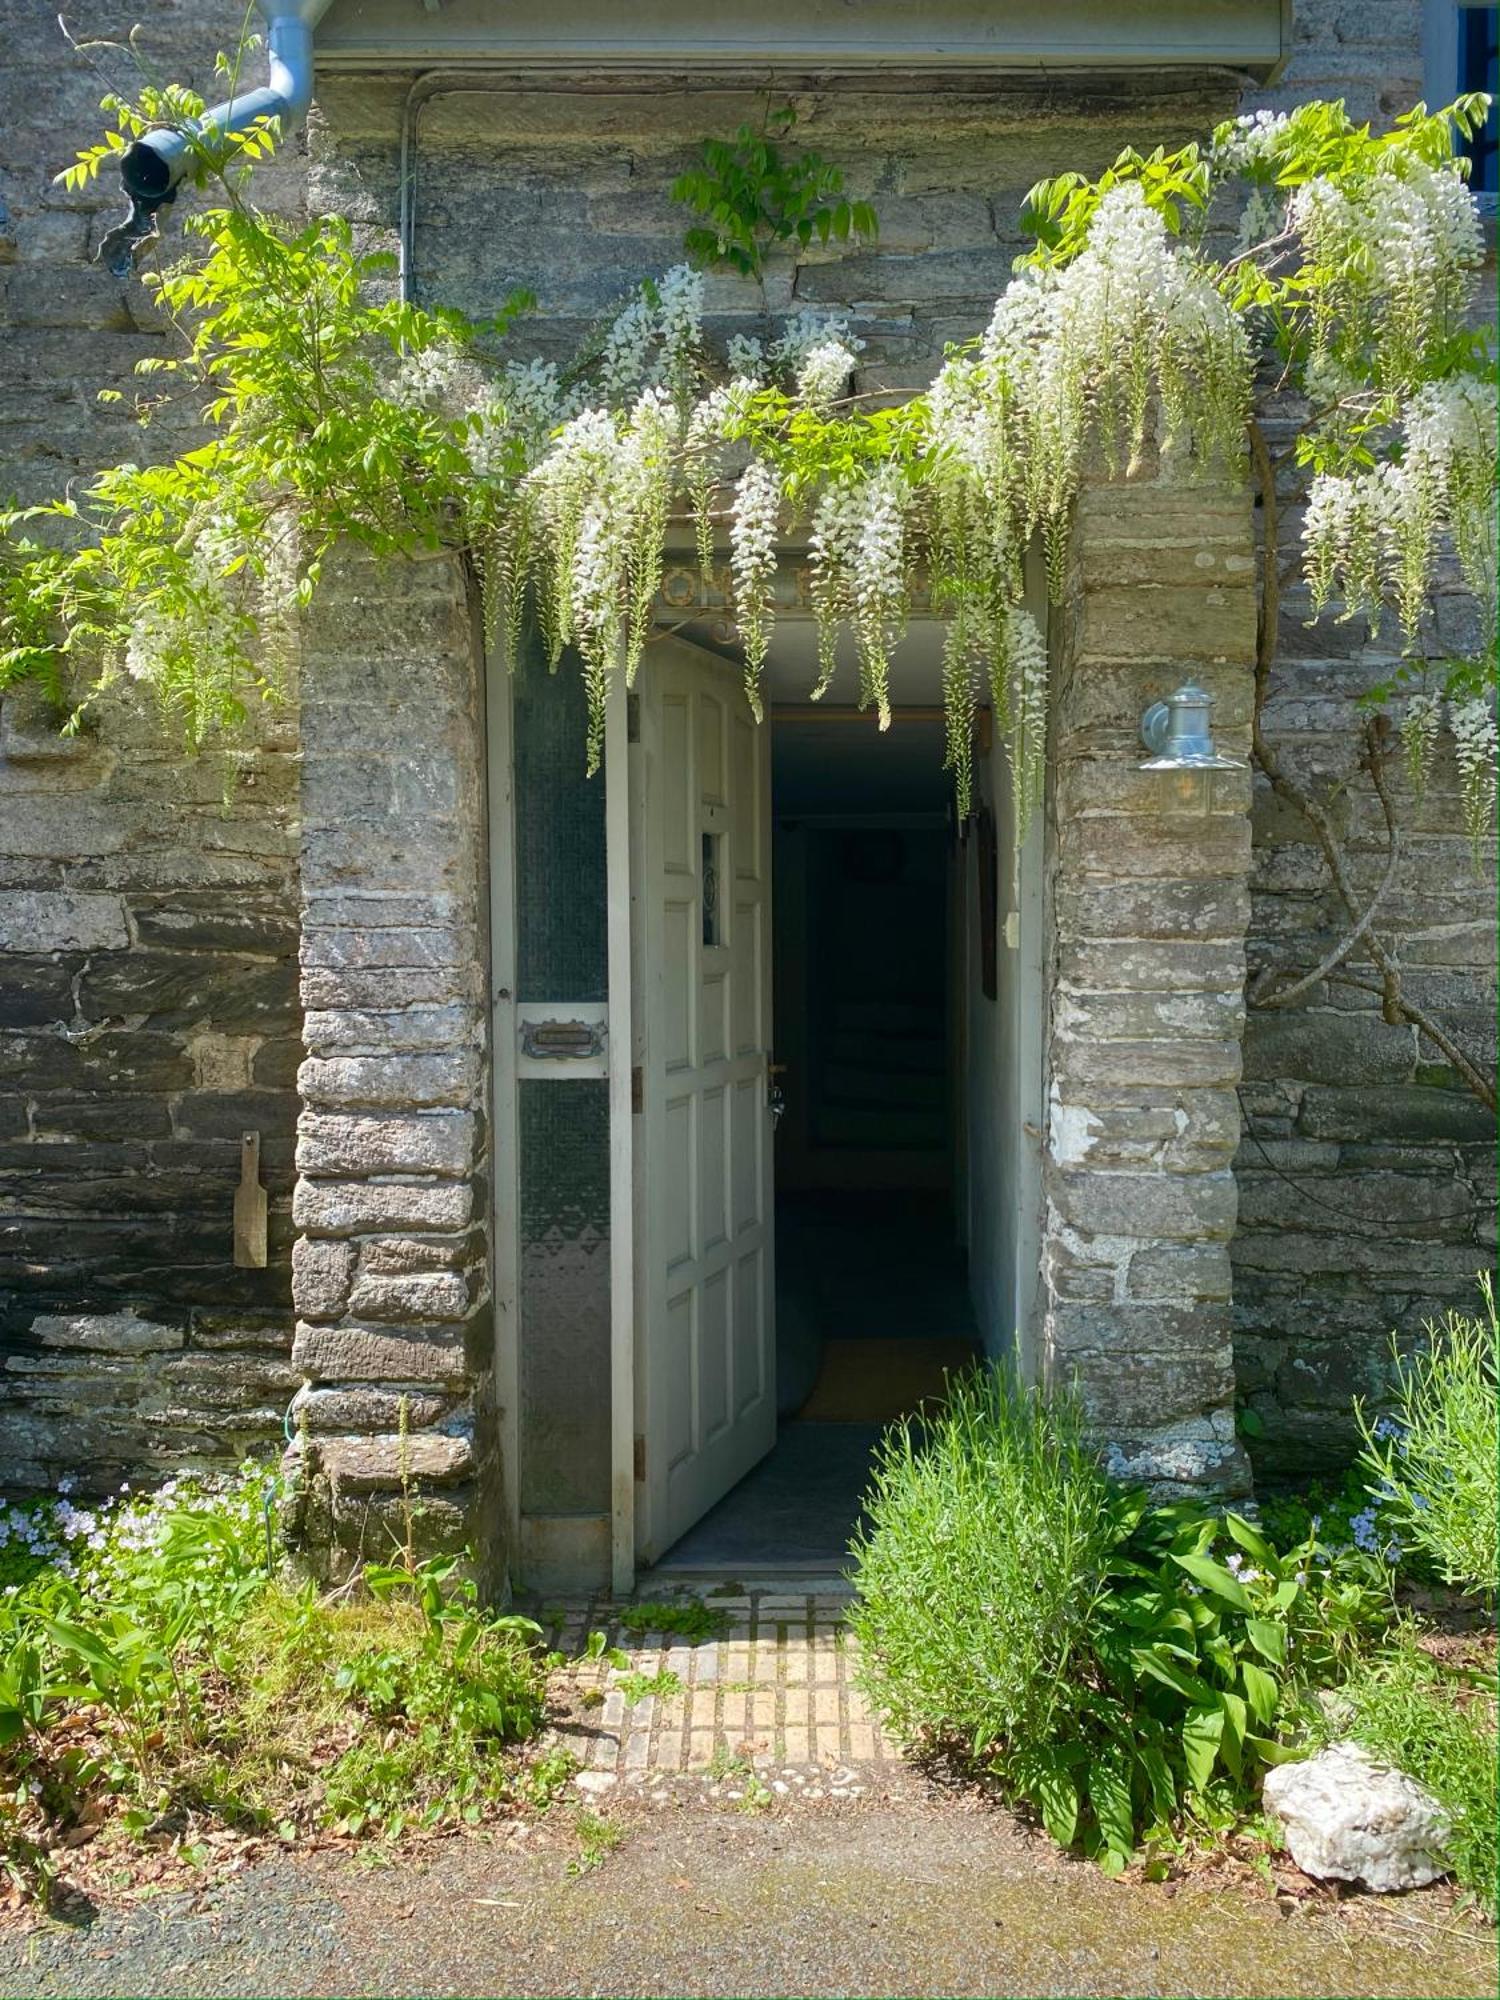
[(1439, 1727), (1113, 1663), (990, 1534), (1434, 1464)]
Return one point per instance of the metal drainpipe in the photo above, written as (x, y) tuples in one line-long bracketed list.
[(151, 168), (432, 83)]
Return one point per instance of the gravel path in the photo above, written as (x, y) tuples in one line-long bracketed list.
[(900, 1892)]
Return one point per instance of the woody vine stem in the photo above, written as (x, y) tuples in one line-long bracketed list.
[(1362, 939)]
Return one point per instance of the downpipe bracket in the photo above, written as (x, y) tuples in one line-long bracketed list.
[(152, 167)]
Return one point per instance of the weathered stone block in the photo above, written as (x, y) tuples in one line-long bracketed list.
[(429, 1295), (1411, 1204), (1343, 1049), (322, 1271), (1158, 1064), (1394, 1113), (1108, 1017), (379, 909), (398, 1256), (200, 922), (1126, 1391), (1180, 1271), (103, 1118), (355, 1410), (1211, 621), (225, 1114), (365, 1031), (136, 1064), (1145, 1206), (106, 1333), (1149, 965), (379, 1464), (275, 1063), (189, 988), (61, 920), (1216, 909), (379, 1354), (1176, 848), (364, 950), (215, 1330), (1181, 1458), (333, 1208), (1105, 784), (434, 1142), (446, 1521), (1138, 1327), (325, 988), (36, 990), (397, 1081)]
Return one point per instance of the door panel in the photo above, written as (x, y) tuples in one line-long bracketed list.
[(705, 1345)]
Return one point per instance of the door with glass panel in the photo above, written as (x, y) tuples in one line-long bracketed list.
[(705, 1348)]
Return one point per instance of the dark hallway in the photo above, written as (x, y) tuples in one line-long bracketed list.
[(872, 1297)]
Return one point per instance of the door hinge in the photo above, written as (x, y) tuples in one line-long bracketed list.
[(640, 1461), (633, 717), (637, 1088)]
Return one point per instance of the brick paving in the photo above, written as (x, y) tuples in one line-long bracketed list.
[(773, 1690)]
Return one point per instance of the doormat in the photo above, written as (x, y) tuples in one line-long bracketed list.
[(875, 1381)]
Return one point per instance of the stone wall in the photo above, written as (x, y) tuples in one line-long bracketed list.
[(150, 915), (148, 903), (390, 1267), (1149, 907), (1367, 1172)]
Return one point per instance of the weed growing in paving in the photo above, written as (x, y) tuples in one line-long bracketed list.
[(726, 1763), (636, 1686), (730, 1768), (686, 1617)]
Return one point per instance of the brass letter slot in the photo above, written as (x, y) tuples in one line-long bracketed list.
[(562, 1041)]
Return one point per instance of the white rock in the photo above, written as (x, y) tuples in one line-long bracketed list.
[(1349, 1817), (593, 1781)]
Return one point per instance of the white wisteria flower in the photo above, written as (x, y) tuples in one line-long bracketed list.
[(754, 526), (823, 373), (1472, 722)]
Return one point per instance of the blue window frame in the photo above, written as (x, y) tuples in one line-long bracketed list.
[(1479, 69)]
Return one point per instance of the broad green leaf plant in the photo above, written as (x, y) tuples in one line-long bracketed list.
[(754, 194), (334, 412)]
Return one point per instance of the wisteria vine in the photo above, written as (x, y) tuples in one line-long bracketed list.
[(1127, 328)]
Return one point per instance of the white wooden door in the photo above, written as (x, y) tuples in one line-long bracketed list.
[(705, 1338)]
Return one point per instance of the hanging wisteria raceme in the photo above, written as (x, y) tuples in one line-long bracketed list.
[(1399, 246), (1474, 738), (1419, 737), (755, 526), (1373, 535)]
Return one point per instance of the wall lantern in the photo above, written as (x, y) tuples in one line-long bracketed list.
[(1177, 733)]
